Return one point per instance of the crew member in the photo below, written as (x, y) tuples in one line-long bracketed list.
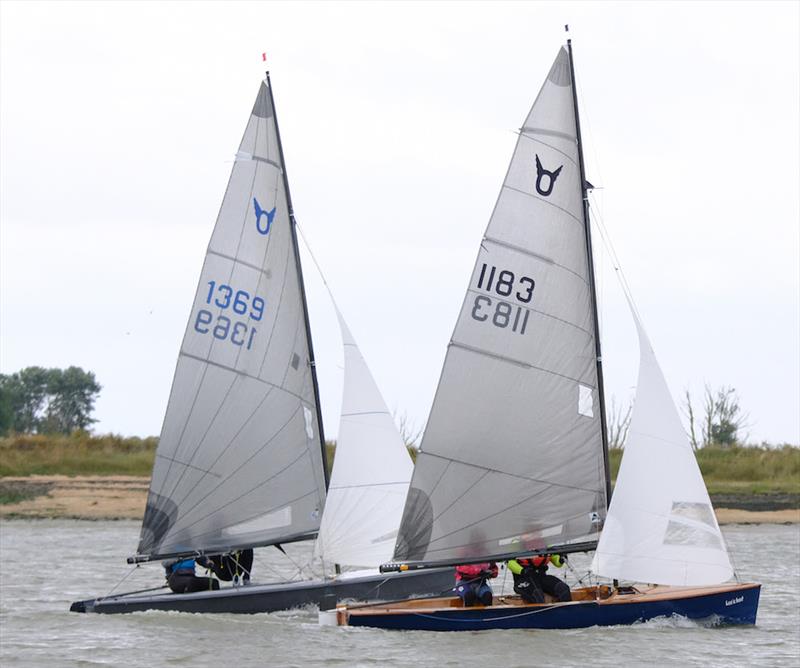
[(472, 583), (532, 582), (182, 580), (235, 566)]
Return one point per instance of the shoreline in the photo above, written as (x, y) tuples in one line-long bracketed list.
[(124, 498)]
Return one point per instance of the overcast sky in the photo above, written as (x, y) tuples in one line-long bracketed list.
[(119, 122)]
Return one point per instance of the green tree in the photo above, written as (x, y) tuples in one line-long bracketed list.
[(721, 421), (47, 400)]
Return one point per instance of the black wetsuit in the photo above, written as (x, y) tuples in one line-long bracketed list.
[(534, 582), (182, 580), (228, 566)]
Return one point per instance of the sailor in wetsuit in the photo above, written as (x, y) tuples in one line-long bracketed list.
[(532, 582), (182, 580), (234, 567)]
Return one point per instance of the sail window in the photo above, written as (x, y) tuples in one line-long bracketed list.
[(266, 522), (585, 401), (700, 512)]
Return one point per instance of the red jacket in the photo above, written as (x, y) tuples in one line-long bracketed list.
[(473, 571)]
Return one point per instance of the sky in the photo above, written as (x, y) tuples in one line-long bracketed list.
[(119, 122)]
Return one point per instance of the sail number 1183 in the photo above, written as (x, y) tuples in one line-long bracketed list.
[(501, 313)]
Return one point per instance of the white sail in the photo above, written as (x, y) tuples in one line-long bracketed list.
[(370, 476), (239, 461), (660, 526), (512, 456)]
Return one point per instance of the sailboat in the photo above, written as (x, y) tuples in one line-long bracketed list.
[(241, 460), (514, 459)]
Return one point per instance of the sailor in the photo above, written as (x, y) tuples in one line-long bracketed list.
[(532, 582), (472, 585), (234, 567), (182, 580)]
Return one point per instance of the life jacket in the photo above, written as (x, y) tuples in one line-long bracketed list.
[(472, 571), (186, 565)]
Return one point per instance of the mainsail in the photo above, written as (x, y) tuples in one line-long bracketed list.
[(512, 458), (371, 472), (660, 527), (240, 458)]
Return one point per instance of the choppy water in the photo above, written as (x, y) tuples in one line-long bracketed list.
[(44, 565)]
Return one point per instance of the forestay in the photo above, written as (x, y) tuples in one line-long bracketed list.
[(512, 457), (239, 461), (370, 476), (660, 527)]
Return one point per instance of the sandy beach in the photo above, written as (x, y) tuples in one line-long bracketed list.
[(124, 497)]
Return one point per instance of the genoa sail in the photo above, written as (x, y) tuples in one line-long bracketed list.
[(512, 457), (371, 472), (661, 527), (240, 460)]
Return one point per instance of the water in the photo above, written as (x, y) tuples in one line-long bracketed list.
[(45, 566)]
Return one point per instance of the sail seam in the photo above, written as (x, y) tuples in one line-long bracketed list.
[(550, 146), (188, 465), (513, 475), (544, 201), (529, 253), (243, 157), (245, 375), (369, 484), (366, 413), (511, 360), (548, 133)]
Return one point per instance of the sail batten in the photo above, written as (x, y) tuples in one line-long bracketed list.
[(240, 459)]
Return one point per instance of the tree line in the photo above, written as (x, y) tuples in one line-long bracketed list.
[(716, 423), (47, 401)]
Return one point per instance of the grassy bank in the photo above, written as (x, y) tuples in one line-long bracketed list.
[(739, 470), (744, 470), (77, 454)]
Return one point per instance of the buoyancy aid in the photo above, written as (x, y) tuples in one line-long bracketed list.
[(472, 571)]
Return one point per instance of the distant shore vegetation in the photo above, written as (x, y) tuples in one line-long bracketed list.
[(727, 470)]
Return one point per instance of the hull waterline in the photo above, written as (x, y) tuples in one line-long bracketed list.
[(720, 605), (256, 598)]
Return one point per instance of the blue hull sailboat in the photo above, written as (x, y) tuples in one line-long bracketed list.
[(514, 460)]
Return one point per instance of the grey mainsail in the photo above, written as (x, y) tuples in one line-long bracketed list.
[(240, 460), (512, 457)]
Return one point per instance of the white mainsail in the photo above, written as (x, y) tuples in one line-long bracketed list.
[(660, 527), (239, 462), (512, 457), (371, 472)]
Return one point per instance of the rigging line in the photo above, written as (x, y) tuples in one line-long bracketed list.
[(239, 468), (125, 577), (609, 246)]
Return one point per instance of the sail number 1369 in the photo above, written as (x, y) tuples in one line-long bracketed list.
[(501, 313)]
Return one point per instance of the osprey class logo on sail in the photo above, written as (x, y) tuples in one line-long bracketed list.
[(541, 172), (270, 215)]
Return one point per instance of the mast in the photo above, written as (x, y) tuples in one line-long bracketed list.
[(598, 355), (302, 286)]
